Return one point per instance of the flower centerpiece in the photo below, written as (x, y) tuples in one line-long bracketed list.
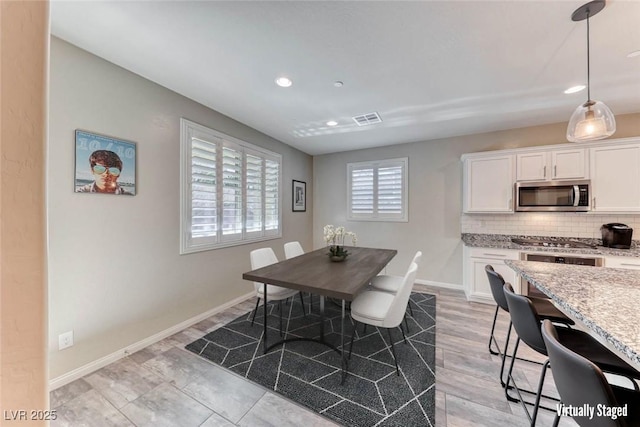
[(334, 237)]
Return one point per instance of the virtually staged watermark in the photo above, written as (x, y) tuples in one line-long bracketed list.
[(590, 411)]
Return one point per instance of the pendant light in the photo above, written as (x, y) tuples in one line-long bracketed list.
[(592, 120)]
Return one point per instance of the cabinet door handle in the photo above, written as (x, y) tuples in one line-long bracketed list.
[(630, 264), (500, 255), (544, 171), (509, 204), (555, 171), (593, 203)]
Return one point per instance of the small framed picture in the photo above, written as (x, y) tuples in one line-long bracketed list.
[(299, 196), (104, 165)]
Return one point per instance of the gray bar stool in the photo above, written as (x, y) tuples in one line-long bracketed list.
[(543, 306), (527, 324), (580, 382)]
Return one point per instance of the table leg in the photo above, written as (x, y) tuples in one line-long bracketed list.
[(321, 318), (344, 365), (264, 335)]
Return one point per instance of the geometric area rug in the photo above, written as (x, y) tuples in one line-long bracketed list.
[(310, 373)]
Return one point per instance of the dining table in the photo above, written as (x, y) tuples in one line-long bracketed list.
[(605, 301), (316, 273)]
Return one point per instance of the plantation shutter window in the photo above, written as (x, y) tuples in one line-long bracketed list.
[(230, 190), (362, 191), (231, 193), (272, 196), (203, 189), (377, 191), (255, 179)]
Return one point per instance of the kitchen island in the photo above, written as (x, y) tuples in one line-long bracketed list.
[(605, 300)]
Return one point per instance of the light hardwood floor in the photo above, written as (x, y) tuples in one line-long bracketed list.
[(165, 385)]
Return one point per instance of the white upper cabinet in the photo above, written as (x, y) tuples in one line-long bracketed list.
[(552, 164), (615, 178), (612, 166), (569, 164), (531, 166), (488, 184)]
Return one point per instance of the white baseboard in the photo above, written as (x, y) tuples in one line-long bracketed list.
[(481, 299), (439, 284), (123, 352)]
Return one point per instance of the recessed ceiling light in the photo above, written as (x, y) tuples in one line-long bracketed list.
[(575, 89), (332, 123), (284, 81), (338, 83), (634, 54)]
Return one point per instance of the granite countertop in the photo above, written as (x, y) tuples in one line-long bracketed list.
[(503, 241), (605, 300)]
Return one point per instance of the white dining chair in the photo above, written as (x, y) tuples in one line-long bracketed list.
[(384, 309), (262, 258), (391, 284), (293, 249)]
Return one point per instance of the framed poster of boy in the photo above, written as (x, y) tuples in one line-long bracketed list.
[(104, 165), (299, 195)]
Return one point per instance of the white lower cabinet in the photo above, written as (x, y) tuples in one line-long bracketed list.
[(476, 283), (630, 263)]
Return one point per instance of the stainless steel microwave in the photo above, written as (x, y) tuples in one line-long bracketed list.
[(553, 196)]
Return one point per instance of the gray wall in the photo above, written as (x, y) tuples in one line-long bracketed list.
[(435, 199), (115, 275)]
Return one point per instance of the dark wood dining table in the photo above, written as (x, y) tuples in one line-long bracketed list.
[(314, 272)]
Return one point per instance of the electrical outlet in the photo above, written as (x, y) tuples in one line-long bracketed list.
[(65, 340)]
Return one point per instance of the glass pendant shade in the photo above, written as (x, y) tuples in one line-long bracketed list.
[(591, 121)]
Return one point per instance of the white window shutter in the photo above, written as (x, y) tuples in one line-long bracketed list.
[(230, 190), (390, 191), (255, 189), (362, 191), (272, 195), (378, 190), (231, 193), (203, 189)]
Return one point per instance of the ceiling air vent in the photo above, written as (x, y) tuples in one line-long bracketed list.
[(367, 119)]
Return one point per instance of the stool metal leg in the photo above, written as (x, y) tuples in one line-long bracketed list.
[(503, 354), (519, 391), (492, 338)]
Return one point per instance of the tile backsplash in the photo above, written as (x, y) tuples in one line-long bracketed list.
[(554, 224)]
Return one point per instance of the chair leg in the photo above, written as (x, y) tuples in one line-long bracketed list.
[(364, 331), (410, 309), (353, 334), (504, 355), (255, 310), (556, 420), (280, 304), (403, 335), (302, 303), (536, 406), (405, 322), (492, 338), (513, 359), (393, 351)]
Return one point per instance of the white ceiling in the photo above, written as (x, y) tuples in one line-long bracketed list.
[(431, 69)]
